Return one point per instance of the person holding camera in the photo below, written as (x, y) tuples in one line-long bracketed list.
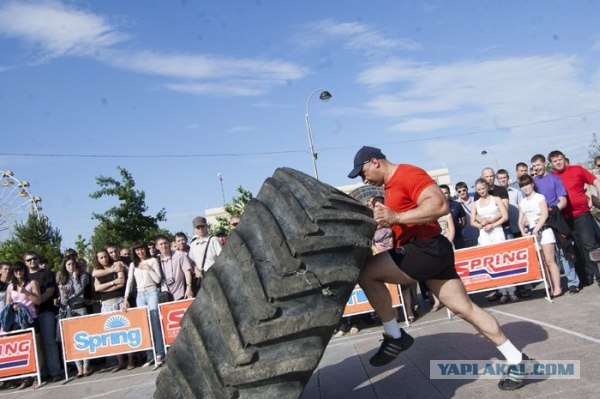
[(176, 272)]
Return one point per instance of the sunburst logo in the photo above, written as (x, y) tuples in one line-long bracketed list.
[(118, 332), (116, 321)]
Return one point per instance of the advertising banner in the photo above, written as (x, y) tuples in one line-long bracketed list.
[(358, 302), (104, 334), (17, 354), (493, 266), (170, 318)]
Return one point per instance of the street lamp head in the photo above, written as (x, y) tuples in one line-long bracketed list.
[(484, 152), (325, 95)]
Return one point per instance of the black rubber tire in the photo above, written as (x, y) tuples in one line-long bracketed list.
[(268, 306)]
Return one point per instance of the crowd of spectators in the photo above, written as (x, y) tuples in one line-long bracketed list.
[(34, 296)]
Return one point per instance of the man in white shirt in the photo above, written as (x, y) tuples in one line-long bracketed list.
[(204, 248)]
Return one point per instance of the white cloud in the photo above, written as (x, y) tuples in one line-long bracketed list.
[(430, 124), (238, 129), (504, 91), (57, 30), (354, 36), (240, 89), (199, 66)]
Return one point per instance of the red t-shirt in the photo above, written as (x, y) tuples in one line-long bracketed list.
[(574, 178), (401, 194)]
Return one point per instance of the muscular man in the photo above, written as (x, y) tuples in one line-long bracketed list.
[(413, 203)]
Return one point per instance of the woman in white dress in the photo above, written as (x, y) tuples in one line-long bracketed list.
[(487, 214), (533, 213)]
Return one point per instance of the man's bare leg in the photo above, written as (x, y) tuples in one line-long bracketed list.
[(378, 270), (452, 293)]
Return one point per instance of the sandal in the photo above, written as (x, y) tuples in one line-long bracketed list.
[(130, 367), (87, 373)]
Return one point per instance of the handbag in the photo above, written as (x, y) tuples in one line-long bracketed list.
[(197, 280), (164, 296)]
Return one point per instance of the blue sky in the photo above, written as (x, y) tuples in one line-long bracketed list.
[(177, 92)]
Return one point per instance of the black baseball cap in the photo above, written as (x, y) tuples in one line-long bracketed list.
[(364, 155)]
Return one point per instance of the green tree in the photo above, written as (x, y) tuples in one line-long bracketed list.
[(127, 222), (35, 234), (82, 246), (238, 203), (233, 208)]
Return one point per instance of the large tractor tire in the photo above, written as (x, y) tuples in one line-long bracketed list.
[(268, 306)]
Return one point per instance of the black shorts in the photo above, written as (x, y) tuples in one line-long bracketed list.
[(425, 259)]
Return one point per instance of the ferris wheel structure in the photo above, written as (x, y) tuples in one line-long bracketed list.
[(16, 203)]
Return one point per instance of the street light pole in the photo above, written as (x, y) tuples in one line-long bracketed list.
[(324, 96), (220, 176)]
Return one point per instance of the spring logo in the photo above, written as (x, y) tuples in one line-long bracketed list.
[(117, 332), (14, 354), (507, 263)]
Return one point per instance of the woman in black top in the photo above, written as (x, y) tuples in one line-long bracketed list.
[(109, 281)]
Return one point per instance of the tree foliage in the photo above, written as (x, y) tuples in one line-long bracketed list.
[(233, 208), (82, 246), (126, 222), (238, 203), (35, 234)]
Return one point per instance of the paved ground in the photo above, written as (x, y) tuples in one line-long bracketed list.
[(564, 330)]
